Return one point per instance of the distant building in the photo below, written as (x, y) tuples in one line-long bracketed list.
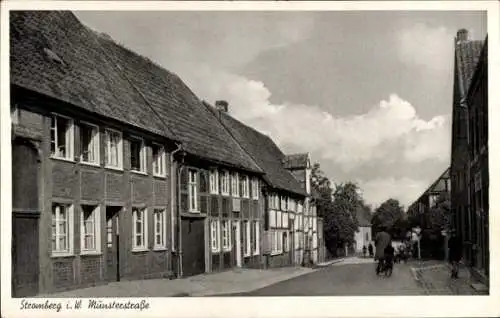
[(363, 237)]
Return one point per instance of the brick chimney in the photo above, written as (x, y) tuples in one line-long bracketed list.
[(222, 105), (462, 35)]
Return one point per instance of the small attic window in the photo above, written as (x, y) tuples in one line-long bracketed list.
[(53, 56)]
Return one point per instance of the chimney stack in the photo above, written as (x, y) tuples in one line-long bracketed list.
[(462, 35), (222, 105)]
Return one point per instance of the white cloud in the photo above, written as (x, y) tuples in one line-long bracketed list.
[(390, 132), (349, 141), (426, 46)]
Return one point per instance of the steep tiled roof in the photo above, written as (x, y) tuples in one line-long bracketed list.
[(482, 63), (467, 55), (102, 77), (264, 151), (296, 161)]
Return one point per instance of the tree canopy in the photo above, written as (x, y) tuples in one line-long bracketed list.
[(390, 214), (338, 207)]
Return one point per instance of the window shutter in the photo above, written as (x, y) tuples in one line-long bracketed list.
[(203, 176), (240, 184), (203, 204), (184, 202), (250, 187), (184, 179)]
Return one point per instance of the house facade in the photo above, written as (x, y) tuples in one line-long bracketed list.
[(99, 163), (307, 229), (477, 105), (285, 212), (467, 53), (363, 236)]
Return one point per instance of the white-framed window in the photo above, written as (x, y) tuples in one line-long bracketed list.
[(62, 229), (193, 191), (255, 188), (279, 219), (286, 241), (277, 245), (90, 229), (159, 160), (139, 229), (300, 207), (226, 235), (256, 236), (247, 236), (283, 203), (276, 202), (224, 186), (160, 226), (245, 187), (285, 220), (235, 185), (272, 218), (89, 140), (214, 181), (296, 240), (113, 150), (137, 154), (62, 137), (215, 235), (314, 223)]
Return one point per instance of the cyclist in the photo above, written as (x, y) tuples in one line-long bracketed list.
[(382, 240)]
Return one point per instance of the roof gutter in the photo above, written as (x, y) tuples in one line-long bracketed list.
[(175, 208)]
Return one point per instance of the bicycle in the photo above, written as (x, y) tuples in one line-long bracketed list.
[(385, 266)]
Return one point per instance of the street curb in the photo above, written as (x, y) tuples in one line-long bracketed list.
[(326, 264)]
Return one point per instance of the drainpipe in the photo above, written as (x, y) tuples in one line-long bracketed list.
[(179, 232), (173, 184)]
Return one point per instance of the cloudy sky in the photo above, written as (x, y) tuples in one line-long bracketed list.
[(368, 94)]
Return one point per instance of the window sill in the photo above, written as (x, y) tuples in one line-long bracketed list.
[(255, 198), (142, 173), (90, 253), (114, 168), (61, 254), (62, 159), (213, 193), (276, 253), (215, 251), (160, 249), (226, 194), (256, 253), (159, 176), (139, 250), (92, 164), (247, 255), (227, 249)]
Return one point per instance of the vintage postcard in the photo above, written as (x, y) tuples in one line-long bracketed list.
[(257, 159)]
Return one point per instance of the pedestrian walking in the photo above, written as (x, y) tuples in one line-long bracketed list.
[(370, 249), (455, 252), (364, 250)]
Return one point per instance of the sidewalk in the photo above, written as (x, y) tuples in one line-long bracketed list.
[(434, 277), (228, 282)]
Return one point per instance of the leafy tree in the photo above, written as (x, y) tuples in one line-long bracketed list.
[(390, 215), (337, 207), (440, 214)]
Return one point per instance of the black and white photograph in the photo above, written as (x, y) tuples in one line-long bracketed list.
[(241, 152)]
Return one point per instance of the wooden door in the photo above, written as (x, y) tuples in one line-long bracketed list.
[(193, 246), (25, 219), (112, 243)]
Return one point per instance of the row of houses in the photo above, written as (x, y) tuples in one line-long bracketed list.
[(467, 179), (119, 171), (433, 244), (469, 156)]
